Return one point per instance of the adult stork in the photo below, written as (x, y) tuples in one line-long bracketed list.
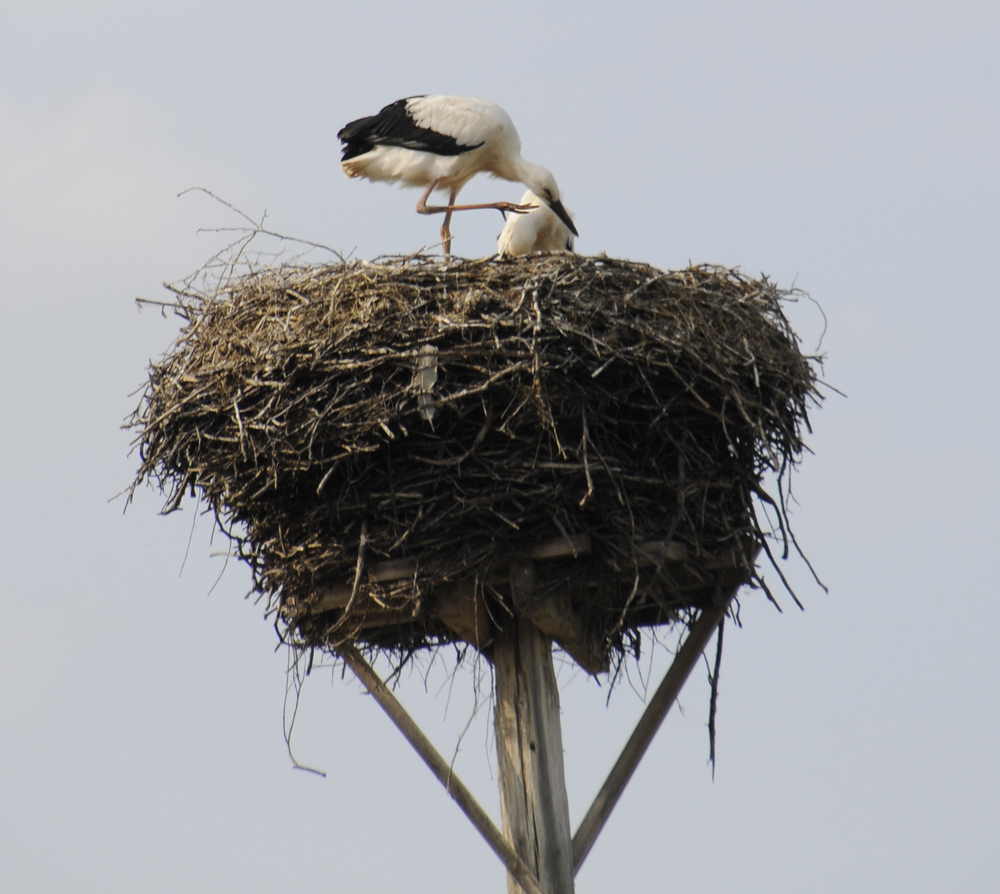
[(442, 142), (537, 230)]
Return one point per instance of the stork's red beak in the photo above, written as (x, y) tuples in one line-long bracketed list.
[(560, 212)]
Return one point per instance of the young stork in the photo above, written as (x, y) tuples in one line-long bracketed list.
[(538, 230), (442, 142)]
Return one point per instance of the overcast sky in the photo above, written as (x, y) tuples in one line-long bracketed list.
[(849, 148)]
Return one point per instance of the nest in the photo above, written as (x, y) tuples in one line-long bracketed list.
[(392, 447)]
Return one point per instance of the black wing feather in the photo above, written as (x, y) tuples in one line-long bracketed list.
[(394, 126)]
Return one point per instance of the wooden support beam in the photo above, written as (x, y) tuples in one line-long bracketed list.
[(685, 660), (463, 609), (656, 552), (574, 545), (553, 614), (338, 595), (648, 553), (516, 866), (533, 796)]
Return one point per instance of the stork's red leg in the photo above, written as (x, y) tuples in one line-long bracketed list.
[(424, 208), (500, 206), (446, 226)]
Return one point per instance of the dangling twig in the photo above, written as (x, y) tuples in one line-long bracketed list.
[(713, 678)]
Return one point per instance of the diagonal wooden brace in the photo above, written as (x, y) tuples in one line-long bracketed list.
[(656, 711), (440, 768)]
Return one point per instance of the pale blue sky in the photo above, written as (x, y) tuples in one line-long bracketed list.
[(851, 148)]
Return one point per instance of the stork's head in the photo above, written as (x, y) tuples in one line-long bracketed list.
[(541, 182)]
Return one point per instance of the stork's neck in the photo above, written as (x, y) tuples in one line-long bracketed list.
[(527, 173)]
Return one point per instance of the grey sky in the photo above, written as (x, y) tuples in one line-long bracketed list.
[(851, 148)]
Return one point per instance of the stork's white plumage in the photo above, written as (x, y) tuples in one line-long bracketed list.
[(538, 230), (442, 142)]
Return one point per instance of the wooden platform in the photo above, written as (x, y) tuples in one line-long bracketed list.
[(564, 582)]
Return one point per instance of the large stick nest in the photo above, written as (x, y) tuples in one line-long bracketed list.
[(573, 396)]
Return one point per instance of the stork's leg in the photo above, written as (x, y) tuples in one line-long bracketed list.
[(424, 208), (499, 206), (446, 227)]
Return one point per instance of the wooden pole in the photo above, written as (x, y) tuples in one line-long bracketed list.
[(516, 866), (687, 656), (533, 797)]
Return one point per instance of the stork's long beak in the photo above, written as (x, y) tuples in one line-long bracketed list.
[(560, 212)]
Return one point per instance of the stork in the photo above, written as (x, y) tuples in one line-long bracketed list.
[(537, 230), (442, 142)]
